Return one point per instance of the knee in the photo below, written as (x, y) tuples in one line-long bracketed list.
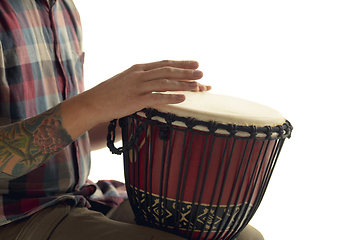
[(250, 233)]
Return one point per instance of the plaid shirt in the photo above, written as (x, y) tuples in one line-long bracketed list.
[(41, 64)]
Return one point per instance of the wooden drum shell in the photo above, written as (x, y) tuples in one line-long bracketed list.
[(196, 184)]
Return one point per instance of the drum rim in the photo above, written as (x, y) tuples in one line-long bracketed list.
[(233, 130)]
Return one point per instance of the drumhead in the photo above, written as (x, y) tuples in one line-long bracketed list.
[(206, 106)]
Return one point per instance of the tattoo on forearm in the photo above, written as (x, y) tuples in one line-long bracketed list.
[(28, 144)]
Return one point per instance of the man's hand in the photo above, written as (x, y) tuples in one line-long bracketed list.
[(149, 93), (132, 90), (142, 86)]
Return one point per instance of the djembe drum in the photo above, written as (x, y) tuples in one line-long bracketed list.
[(199, 169)]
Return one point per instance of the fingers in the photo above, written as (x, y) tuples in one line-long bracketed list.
[(203, 88), (179, 70), (163, 85), (166, 63), (172, 73), (153, 98), (161, 99), (168, 76), (158, 98)]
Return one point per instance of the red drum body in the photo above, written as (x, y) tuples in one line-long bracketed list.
[(197, 179)]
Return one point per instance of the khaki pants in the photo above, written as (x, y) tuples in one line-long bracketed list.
[(62, 222)]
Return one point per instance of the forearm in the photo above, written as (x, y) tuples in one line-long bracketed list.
[(27, 144)]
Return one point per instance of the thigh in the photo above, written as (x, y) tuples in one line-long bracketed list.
[(39, 226), (82, 223), (123, 213), (12, 230), (64, 223)]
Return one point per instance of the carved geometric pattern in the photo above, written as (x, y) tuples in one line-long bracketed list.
[(150, 209)]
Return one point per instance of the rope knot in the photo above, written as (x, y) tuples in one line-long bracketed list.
[(232, 129), (190, 122), (212, 126), (268, 132), (253, 131), (281, 131), (170, 118)]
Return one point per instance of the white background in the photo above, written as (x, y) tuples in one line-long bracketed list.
[(299, 57)]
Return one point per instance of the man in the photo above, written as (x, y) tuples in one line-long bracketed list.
[(49, 124)]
